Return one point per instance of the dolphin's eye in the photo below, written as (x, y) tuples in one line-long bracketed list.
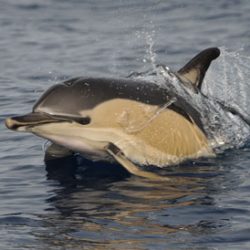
[(84, 120)]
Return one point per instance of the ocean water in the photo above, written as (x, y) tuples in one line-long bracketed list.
[(73, 204)]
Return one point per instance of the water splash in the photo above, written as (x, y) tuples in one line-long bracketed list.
[(151, 55), (228, 81), (148, 37), (223, 103)]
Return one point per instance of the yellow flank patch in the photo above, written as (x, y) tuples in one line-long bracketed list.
[(149, 134)]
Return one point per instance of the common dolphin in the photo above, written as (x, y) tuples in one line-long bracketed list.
[(134, 122)]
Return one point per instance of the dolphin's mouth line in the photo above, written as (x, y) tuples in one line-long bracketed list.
[(24, 122)]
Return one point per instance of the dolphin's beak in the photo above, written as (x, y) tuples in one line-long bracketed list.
[(22, 123)]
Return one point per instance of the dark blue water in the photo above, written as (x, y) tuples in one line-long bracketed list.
[(205, 205)]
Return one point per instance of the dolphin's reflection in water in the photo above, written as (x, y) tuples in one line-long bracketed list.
[(98, 206)]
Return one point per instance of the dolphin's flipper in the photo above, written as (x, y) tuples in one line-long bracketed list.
[(55, 151), (118, 155), (194, 71)]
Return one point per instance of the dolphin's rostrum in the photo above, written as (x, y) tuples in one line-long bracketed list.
[(132, 122)]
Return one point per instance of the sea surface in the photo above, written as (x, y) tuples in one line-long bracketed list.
[(71, 204)]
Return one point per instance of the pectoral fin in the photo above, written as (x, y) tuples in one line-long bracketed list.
[(118, 155), (194, 71)]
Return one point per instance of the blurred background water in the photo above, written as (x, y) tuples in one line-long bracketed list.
[(206, 204)]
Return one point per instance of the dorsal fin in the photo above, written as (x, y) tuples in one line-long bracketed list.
[(194, 71)]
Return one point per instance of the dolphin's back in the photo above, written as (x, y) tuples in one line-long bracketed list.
[(86, 93)]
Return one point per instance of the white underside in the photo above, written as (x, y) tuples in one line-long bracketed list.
[(91, 142)]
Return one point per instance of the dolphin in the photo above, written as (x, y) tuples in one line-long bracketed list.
[(133, 122)]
